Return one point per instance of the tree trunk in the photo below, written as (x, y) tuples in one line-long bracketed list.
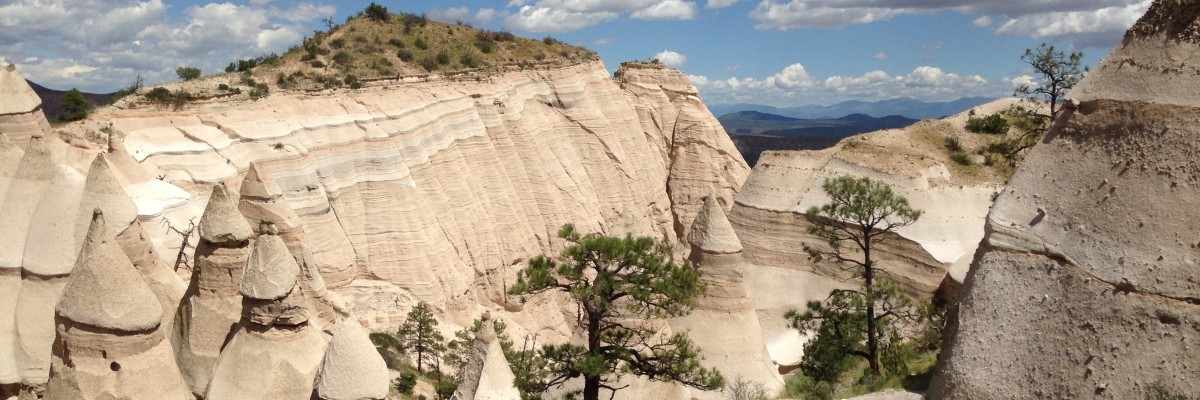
[(591, 388), (872, 335), (591, 384)]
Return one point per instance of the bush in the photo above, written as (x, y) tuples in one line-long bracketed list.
[(360, 39), (994, 124), (223, 87), (342, 58), (75, 105), (187, 73), (960, 158), (352, 81), (467, 60), (376, 12), (742, 389), (485, 46), (429, 63), (261, 90), (549, 40), (159, 95), (445, 388), (443, 57), (337, 43), (317, 64), (406, 382), (396, 42), (953, 144), (540, 55), (248, 80), (420, 43), (404, 55)]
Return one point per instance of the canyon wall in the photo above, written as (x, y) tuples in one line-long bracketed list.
[(1086, 283)]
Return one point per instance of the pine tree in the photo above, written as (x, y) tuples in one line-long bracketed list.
[(75, 105), (619, 284), (419, 335)]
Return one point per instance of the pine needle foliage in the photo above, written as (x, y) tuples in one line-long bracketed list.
[(620, 284)]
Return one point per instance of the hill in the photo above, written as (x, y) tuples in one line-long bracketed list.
[(754, 132), (907, 107), (52, 104)]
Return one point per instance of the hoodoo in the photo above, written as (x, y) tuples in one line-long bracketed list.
[(164, 282), (1086, 283), (10, 278), (109, 343), (21, 114), (209, 312), (486, 375), (275, 352), (262, 201), (724, 322), (352, 368), (49, 256)]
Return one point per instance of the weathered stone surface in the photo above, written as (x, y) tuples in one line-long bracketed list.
[(271, 271), (21, 116), (104, 192), (10, 278), (164, 282), (1085, 285), (105, 290), (265, 363), (352, 368), (711, 231), (486, 374), (221, 222)]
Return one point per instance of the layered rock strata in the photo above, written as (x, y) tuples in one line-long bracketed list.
[(352, 368), (1086, 284), (209, 313), (21, 116), (724, 322), (486, 375), (109, 343), (275, 352), (437, 188)]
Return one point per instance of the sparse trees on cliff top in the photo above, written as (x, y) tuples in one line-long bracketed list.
[(1057, 73), (620, 284)]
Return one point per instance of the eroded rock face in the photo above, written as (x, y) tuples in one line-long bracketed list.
[(724, 322), (1086, 284), (109, 343), (352, 368), (21, 116)]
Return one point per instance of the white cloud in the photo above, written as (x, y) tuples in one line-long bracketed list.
[(486, 15), (550, 16), (602, 42), (1090, 22), (100, 45), (450, 15), (667, 10), (1023, 81), (881, 56), (794, 86), (671, 58), (712, 4), (941, 44)]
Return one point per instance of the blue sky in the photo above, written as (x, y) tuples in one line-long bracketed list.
[(777, 52)]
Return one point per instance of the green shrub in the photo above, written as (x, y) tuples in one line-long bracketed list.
[(953, 144), (337, 43), (317, 64), (352, 81), (540, 55), (260, 90), (994, 124), (406, 382), (159, 95), (376, 12), (223, 87), (187, 73), (549, 40), (961, 158), (467, 60), (75, 105), (445, 388), (396, 42), (404, 55), (429, 63), (360, 39), (443, 57), (485, 46), (420, 43), (342, 58)]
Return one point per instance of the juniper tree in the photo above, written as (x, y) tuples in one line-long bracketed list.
[(854, 321), (619, 284)]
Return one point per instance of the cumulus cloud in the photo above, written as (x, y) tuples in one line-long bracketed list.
[(1090, 22), (100, 45), (881, 56), (671, 58), (713, 4), (793, 85), (552, 16), (486, 15)]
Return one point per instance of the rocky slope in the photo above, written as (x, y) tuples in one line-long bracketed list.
[(1086, 284), (930, 254)]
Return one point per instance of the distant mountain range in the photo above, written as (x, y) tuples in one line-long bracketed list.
[(52, 104), (906, 107), (754, 132)]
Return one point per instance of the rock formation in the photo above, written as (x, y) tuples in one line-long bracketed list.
[(262, 201), (21, 116), (10, 277), (1086, 283), (486, 375), (47, 261), (352, 369), (209, 313), (724, 323), (109, 343), (167, 286), (433, 189), (275, 352)]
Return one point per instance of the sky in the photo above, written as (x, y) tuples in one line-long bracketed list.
[(773, 52)]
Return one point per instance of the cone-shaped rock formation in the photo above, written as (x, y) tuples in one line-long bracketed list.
[(352, 368), (20, 107), (109, 344), (486, 374), (164, 282), (49, 257), (209, 313), (724, 322), (1085, 285), (104, 192), (275, 352)]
